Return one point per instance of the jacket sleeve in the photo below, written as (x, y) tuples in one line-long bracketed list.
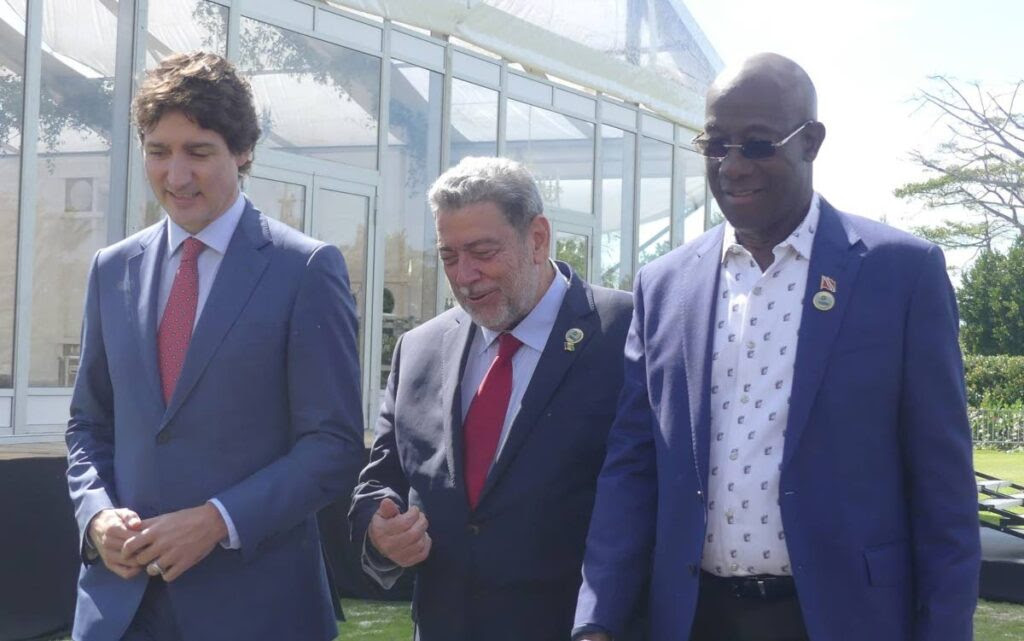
[(937, 460), (325, 408), (90, 432), (382, 478), (616, 565)]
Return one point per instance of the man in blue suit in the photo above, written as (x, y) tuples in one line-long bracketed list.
[(494, 423), (791, 457), (218, 397)]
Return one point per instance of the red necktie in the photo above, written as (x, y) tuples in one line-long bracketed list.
[(179, 315), (486, 416)]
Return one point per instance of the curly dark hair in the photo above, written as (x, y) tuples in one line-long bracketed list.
[(207, 89)]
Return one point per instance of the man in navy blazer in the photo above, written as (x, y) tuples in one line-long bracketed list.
[(217, 399), (499, 558), (791, 457)]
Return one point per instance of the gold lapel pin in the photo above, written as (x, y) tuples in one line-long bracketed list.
[(573, 336), (826, 298)]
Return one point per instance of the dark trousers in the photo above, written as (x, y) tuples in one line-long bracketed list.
[(154, 620), (730, 611)]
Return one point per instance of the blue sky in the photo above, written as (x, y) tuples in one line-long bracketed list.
[(868, 59)]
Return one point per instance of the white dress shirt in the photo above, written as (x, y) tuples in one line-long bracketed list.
[(757, 321), (216, 237), (533, 332)]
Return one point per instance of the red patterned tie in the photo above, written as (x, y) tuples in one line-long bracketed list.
[(486, 416), (179, 316)]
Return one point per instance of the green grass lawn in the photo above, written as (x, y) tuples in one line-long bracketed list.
[(1004, 465)]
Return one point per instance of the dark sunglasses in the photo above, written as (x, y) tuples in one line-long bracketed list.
[(751, 149)]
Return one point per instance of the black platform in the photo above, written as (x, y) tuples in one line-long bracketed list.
[(1002, 566)]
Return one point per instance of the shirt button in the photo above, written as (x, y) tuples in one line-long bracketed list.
[(744, 399), (734, 567), (757, 291), (750, 345)]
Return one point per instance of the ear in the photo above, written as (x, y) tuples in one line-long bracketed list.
[(814, 136), (242, 158), (538, 235)]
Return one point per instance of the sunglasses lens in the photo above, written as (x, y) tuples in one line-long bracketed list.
[(758, 149), (712, 148)]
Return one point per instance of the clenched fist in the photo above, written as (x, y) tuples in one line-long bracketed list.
[(403, 538)]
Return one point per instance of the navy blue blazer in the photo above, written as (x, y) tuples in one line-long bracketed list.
[(510, 569), (877, 490), (265, 412)]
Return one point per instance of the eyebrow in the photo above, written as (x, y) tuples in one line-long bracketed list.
[(194, 146), (476, 244)]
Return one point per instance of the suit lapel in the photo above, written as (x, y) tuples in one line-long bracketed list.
[(240, 270), (454, 352), (699, 283), (144, 288), (834, 254), (577, 311)]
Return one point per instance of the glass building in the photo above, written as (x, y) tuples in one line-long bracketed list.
[(363, 103)]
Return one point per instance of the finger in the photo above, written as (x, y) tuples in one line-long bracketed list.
[(413, 534), (129, 518), (388, 509), (137, 543)]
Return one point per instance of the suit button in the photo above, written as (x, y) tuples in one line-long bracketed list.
[(473, 529), (700, 496), (163, 437)]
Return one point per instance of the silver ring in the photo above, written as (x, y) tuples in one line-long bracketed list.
[(154, 569)]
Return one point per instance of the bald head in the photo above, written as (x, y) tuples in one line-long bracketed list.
[(775, 79), (767, 101)]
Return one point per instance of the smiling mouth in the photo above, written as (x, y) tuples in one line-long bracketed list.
[(183, 196), (741, 193)]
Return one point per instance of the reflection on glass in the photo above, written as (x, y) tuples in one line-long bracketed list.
[(174, 26), (75, 111), (474, 130), (341, 220), (618, 155), (278, 199), (559, 150), (314, 98), (572, 248), (412, 163), (690, 167), (168, 32), (654, 220), (12, 68)]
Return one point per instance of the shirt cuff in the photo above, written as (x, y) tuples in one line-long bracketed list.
[(588, 628), (232, 542)]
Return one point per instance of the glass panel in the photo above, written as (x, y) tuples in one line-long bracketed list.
[(75, 111), (618, 179), (174, 26), (314, 98), (167, 32), (691, 168), (12, 69), (412, 162), (559, 150), (573, 249), (278, 199), (655, 215), (341, 220), (474, 129)]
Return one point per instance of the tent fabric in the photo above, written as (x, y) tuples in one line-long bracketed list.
[(646, 51)]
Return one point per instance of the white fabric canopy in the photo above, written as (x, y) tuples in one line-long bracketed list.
[(646, 51)]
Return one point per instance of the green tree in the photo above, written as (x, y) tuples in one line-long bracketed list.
[(980, 168), (992, 303)]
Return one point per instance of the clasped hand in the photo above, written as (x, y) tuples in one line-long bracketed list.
[(401, 537), (175, 541)]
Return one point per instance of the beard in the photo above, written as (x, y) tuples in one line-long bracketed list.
[(512, 299)]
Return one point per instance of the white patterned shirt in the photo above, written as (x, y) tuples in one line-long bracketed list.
[(757, 320)]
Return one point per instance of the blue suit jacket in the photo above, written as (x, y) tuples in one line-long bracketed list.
[(510, 569), (877, 491), (265, 412)]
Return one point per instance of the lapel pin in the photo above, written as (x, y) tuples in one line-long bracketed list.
[(824, 301), (828, 284), (573, 336)]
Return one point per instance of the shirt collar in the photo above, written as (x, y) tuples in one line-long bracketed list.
[(534, 329), (801, 239), (216, 236)]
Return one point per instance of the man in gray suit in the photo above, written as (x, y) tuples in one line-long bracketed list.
[(493, 424)]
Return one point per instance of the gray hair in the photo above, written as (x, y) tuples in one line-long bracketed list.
[(504, 182)]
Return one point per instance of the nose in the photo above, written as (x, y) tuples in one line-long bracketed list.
[(179, 171), (734, 164), (465, 271)]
